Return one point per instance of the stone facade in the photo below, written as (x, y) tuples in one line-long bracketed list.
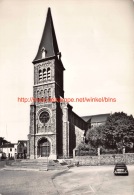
[(64, 130), (55, 130), (43, 90)]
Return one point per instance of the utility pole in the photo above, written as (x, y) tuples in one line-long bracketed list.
[(7, 144)]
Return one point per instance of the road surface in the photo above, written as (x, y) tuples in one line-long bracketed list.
[(95, 180)]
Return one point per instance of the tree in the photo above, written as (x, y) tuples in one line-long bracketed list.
[(120, 127), (117, 132), (95, 136)]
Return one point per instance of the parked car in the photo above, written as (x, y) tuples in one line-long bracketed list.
[(121, 169)]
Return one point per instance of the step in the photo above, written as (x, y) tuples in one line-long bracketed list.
[(36, 164)]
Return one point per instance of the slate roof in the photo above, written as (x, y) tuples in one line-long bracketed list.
[(48, 40), (99, 118), (7, 145)]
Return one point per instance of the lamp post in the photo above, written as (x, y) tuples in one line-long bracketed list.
[(47, 150), (47, 145)]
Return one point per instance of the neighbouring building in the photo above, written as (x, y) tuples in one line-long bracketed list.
[(3, 141), (96, 120), (9, 150), (22, 149)]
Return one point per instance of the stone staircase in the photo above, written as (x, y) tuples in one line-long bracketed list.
[(42, 164)]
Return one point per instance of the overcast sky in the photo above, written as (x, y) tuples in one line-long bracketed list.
[(96, 39)]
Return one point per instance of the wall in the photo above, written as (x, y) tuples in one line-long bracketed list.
[(77, 129), (128, 158)]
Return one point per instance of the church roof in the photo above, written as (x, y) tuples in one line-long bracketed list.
[(99, 118), (48, 41)]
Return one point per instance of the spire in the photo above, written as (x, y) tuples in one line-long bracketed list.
[(48, 46)]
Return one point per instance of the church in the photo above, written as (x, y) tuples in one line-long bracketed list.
[(55, 130)]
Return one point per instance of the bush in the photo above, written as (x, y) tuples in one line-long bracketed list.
[(3, 157), (84, 149), (129, 150), (110, 151), (90, 152)]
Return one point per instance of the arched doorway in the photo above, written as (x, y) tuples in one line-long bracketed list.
[(43, 147)]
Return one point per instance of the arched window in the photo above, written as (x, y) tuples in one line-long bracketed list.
[(48, 73), (43, 52), (41, 93), (45, 93), (49, 93), (38, 95), (44, 74), (40, 75)]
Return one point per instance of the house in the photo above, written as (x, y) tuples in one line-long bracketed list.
[(9, 150), (3, 141), (22, 149)]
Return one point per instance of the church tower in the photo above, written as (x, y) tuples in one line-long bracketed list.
[(55, 130), (45, 134)]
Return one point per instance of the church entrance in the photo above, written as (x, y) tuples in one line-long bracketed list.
[(43, 147)]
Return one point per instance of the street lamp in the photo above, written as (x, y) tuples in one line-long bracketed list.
[(47, 149), (46, 145), (49, 121)]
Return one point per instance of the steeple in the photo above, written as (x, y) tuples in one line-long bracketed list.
[(48, 46)]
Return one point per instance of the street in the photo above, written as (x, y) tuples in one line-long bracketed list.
[(95, 180), (27, 182), (88, 180)]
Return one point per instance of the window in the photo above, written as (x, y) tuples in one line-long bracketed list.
[(38, 94), (44, 74), (45, 93), (49, 93), (44, 117), (48, 73), (40, 75), (43, 53), (42, 93), (10, 149)]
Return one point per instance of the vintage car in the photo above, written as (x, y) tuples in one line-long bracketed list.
[(121, 169)]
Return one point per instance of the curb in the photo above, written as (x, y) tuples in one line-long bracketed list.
[(56, 175)]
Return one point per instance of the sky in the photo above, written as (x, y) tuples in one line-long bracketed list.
[(96, 39)]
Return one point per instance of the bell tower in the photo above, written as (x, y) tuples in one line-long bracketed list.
[(48, 68), (45, 134)]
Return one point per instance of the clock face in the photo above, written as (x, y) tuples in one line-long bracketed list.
[(44, 117)]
